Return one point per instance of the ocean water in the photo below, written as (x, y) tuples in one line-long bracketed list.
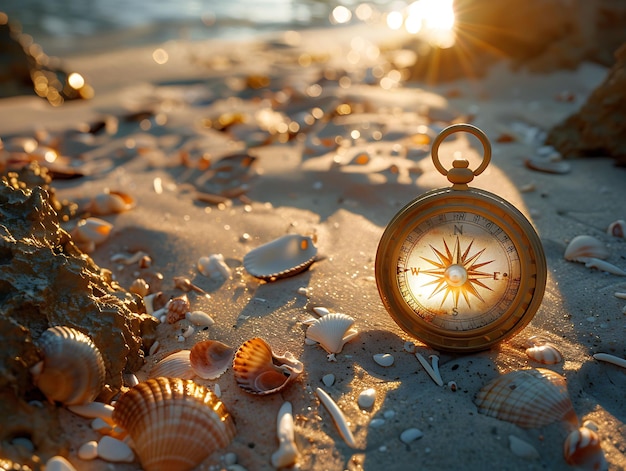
[(65, 27)]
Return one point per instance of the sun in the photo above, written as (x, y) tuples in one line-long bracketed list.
[(457, 274)]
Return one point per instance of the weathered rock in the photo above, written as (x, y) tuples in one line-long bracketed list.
[(599, 127), (45, 280)]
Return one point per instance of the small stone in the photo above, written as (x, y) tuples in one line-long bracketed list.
[(410, 435), (328, 379), (522, 449), (88, 451), (384, 359), (375, 423), (367, 398), (58, 463), (114, 450)]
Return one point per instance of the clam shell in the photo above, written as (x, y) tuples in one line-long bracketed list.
[(258, 370), (210, 358), (174, 424), (72, 371), (332, 331), (582, 449), (286, 256), (175, 365), (529, 398), (585, 246)]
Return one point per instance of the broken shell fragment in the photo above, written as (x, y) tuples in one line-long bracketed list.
[(214, 266), (210, 358), (258, 370), (604, 266), (175, 365), (530, 398), (72, 370), (338, 418), (583, 247), (582, 449), (287, 452), (617, 228), (332, 331), (174, 424), (286, 256)]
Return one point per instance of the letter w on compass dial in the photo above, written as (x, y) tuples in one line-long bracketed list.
[(456, 274)]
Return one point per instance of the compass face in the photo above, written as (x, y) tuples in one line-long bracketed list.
[(460, 270)]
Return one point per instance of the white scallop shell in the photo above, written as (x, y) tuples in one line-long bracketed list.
[(585, 246), (542, 351), (175, 365), (530, 398), (174, 424), (286, 256), (332, 331), (72, 370), (210, 358), (582, 449), (258, 370)]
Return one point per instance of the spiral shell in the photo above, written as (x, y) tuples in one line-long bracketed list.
[(258, 370), (529, 398), (72, 370), (541, 351), (177, 309), (174, 424), (286, 256), (582, 449), (332, 331), (210, 358)]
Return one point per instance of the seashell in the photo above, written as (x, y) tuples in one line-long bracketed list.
[(542, 351), (286, 256), (530, 398), (332, 331), (88, 451), (210, 358), (584, 246), (185, 284), (338, 418), (602, 265), (258, 370), (90, 232), (617, 228), (582, 449), (140, 287), (287, 452), (367, 398), (72, 370), (58, 463), (111, 202), (548, 165), (174, 424), (432, 370), (214, 267), (200, 318), (384, 359), (94, 409), (177, 308), (523, 449), (607, 357), (175, 365)]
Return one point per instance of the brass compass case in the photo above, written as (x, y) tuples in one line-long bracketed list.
[(460, 268)]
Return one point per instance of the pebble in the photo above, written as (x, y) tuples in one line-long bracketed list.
[(200, 318), (328, 379), (88, 451), (522, 449), (389, 414), (375, 423), (58, 463), (410, 435), (367, 398), (114, 450), (384, 359)]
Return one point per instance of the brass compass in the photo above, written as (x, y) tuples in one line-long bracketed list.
[(460, 268)]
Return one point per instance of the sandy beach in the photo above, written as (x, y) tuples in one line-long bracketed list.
[(359, 152)]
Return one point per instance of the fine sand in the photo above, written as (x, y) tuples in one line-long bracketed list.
[(313, 184)]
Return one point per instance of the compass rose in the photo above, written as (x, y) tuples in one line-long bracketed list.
[(457, 273)]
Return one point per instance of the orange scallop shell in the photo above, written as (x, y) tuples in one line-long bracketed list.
[(258, 370), (529, 398), (210, 358), (174, 424), (73, 370)]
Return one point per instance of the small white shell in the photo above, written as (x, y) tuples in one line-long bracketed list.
[(286, 256), (88, 451), (90, 232), (607, 357), (384, 359), (523, 449), (367, 398), (410, 435), (110, 203), (332, 331), (287, 452), (94, 409), (199, 318), (542, 351), (432, 370), (548, 165), (602, 265), (617, 228), (114, 450), (214, 266), (582, 449), (58, 463), (175, 365), (585, 246), (338, 418)]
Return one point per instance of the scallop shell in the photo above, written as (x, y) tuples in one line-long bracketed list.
[(542, 351), (72, 371), (175, 365), (585, 246), (174, 424), (286, 256), (210, 358), (582, 449), (529, 398), (258, 370), (332, 331)]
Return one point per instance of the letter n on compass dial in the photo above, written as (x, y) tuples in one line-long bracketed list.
[(459, 275)]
